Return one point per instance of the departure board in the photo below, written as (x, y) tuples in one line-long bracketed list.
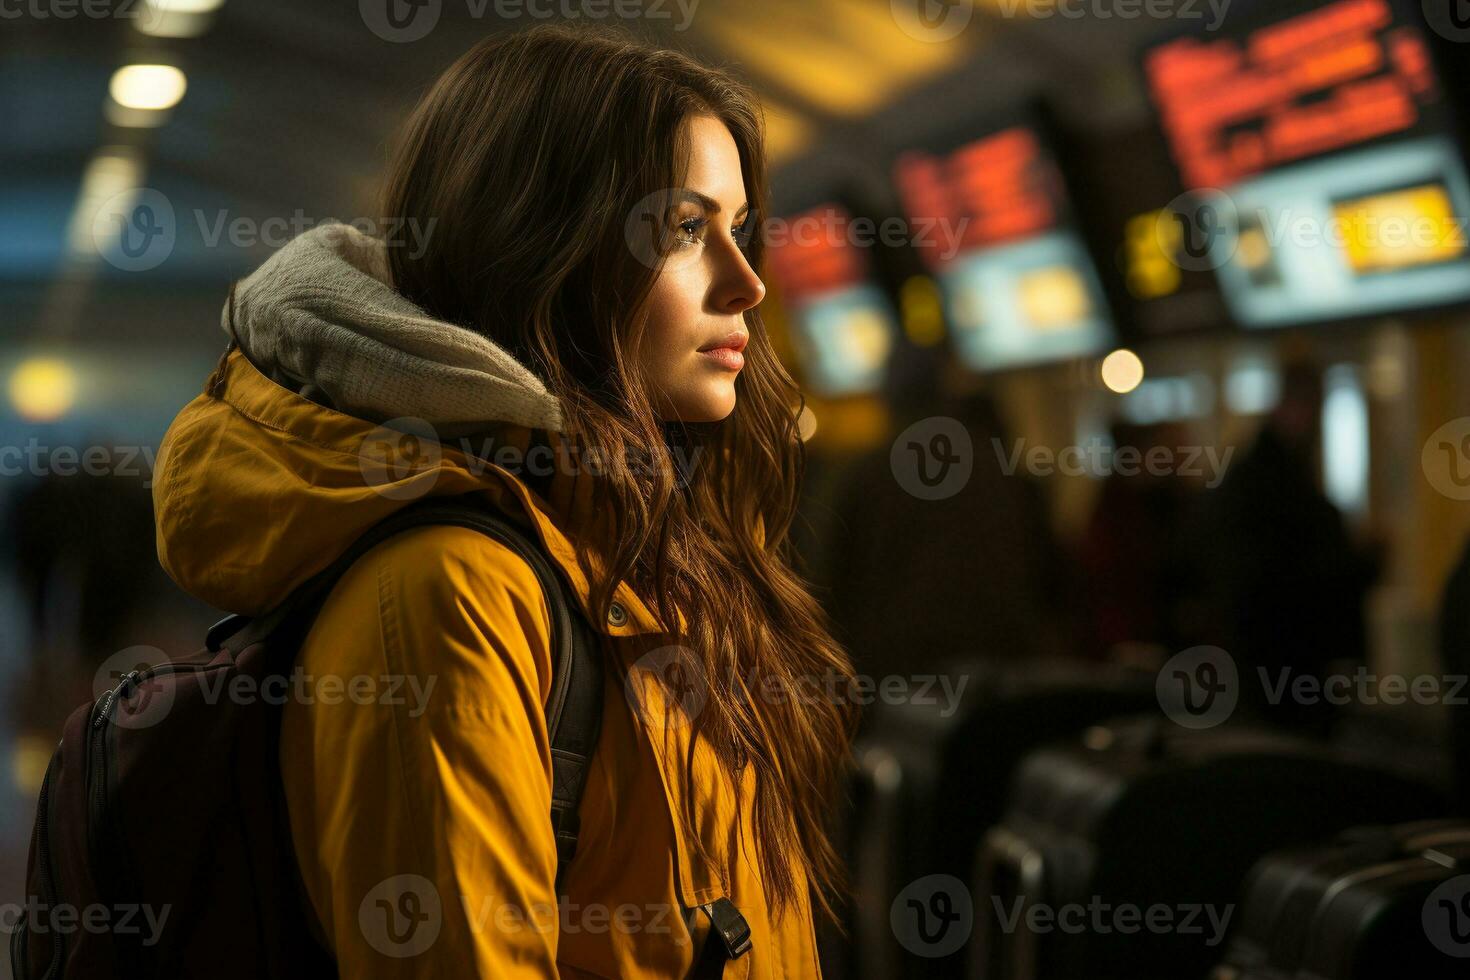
[(992, 219), (843, 324), (1323, 149)]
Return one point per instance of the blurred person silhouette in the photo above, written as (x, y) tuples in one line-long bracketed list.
[(915, 584), (1454, 653), (1284, 585), (1127, 555), (81, 547)]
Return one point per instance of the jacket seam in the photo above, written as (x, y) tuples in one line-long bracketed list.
[(389, 634)]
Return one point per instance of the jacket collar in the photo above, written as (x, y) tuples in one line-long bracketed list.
[(559, 508)]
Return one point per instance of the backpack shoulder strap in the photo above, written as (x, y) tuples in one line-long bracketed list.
[(574, 706)]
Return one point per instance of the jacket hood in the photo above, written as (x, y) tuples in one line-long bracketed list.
[(279, 465), (320, 317)]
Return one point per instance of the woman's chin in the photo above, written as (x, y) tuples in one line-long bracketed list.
[(713, 403)]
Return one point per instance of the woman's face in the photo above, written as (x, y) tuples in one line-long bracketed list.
[(695, 332)]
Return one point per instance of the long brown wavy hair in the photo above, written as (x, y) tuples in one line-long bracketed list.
[(536, 153)]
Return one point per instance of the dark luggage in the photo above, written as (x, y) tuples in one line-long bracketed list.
[(1378, 902), (1132, 846), (929, 785), (165, 799)]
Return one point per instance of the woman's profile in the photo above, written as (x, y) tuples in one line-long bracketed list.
[(572, 336)]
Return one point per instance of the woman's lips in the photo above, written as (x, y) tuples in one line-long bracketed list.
[(727, 357), (727, 351)]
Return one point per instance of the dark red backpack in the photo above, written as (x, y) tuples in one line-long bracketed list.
[(164, 799)]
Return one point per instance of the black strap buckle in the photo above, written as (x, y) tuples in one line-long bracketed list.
[(731, 926), (223, 630)]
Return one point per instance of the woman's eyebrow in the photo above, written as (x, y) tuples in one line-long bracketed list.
[(707, 202)]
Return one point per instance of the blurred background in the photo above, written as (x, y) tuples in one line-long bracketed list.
[(1135, 338)]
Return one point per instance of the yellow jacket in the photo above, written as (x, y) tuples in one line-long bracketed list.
[(416, 764)]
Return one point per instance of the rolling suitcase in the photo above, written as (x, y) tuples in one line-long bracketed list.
[(929, 783), (1377, 902), (1123, 856)]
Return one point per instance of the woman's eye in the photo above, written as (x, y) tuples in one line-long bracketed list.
[(745, 231), (691, 231)]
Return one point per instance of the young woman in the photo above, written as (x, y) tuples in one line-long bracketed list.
[(563, 310)]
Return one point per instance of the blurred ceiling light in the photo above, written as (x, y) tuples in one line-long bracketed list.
[(843, 58), (43, 389), (147, 88), (113, 171), (177, 18), (1122, 371), (787, 133)]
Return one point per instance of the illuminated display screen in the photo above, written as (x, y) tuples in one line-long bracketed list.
[(1344, 190), (843, 324), (1019, 285)]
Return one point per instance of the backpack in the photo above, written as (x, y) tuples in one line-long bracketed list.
[(182, 810)]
